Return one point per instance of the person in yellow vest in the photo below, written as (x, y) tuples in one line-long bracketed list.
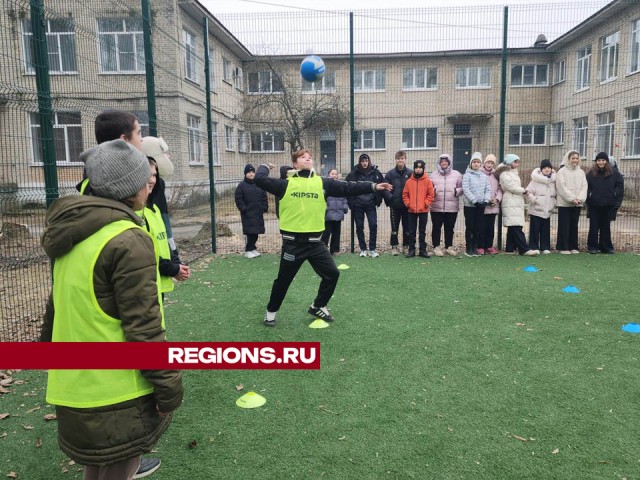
[(169, 264), (106, 289), (302, 212)]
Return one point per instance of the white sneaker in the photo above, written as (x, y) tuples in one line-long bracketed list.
[(249, 254), (532, 253), (564, 252), (256, 253), (438, 251), (363, 253), (546, 252), (451, 251), (373, 254), (575, 251)]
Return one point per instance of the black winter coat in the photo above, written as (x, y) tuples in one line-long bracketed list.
[(253, 204), (605, 191), (396, 178), (372, 174)]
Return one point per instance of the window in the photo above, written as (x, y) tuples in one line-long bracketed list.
[(265, 82), (634, 47), (267, 142), (420, 78), (633, 132), (580, 128), (214, 144), (242, 142), (473, 77), (67, 137), (194, 139), (238, 78), (419, 138), (529, 75), (229, 138), (212, 70), (190, 69), (143, 120), (559, 71), (121, 45), (227, 70), (583, 66), (557, 133), (604, 132), (370, 140), (326, 84), (527, 135), (609, 57), (369, 80), (61, 46)]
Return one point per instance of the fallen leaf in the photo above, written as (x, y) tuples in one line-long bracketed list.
[(38, 442), (33, 409), (557, 450), (4, 415), (12, 475), (522, 439), (239, 387), (50, 416), (3, 434), (557, 278), (599, 369), (450, 429), (520, 324), (342, 438), (6, 381), (71, 462), (27, 427), (4, 390)]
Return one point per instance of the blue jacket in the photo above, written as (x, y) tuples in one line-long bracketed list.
[(475, 187)]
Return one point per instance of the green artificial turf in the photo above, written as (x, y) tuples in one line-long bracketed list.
[(445, 368)]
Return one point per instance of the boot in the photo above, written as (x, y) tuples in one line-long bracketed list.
[(424, 254), (411, 251)]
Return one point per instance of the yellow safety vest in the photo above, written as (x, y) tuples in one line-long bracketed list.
[(79, 318), (158, 232), (303, 205)]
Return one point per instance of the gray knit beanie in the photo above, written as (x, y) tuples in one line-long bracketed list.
[(115, 169)]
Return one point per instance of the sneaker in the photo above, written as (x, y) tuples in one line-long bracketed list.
[(451, 251), (373, 254), (469, 253), (593, 252), (564, 252), (256, 253), (424, 254), (147, 467), (575, 251), (513, 252), (531, 253), (363, 253), (394, 251), (270, 319), (249, 254), (480, 251), (322, 313), (438, 251), (546, 252), (491, 251)]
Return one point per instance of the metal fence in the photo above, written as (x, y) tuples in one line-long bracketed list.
[(223, 91)]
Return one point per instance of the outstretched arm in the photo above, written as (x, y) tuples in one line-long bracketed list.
[(275, 186), (338, 188)]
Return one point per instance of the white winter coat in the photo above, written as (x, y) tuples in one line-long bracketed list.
[(512, 197), (571, 184), (541, 193)]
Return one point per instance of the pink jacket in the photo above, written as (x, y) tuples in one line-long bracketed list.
[(496, 192), (448, 187)]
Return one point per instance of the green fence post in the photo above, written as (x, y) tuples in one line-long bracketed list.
[(148, 61), (352, 117), (45, 110), (212, 184), (503, 103)]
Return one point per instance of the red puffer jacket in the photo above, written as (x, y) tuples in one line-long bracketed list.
[(418, 194)]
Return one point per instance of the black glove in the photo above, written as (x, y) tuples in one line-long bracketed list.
[(613, 213), (479, 204)]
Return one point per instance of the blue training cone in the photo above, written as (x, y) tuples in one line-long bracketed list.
[(631, 328), (530, 268), (571, 289)]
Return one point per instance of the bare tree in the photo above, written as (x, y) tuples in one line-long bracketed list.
[(276, 102)]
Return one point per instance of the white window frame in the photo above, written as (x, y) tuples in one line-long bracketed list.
[(370, 80), (243, 146), (634, 47), (34, 140), (54, 41), (609, 47), (229, 138), (194, 140), (420, 79), (580, 135), (268, 142), (605, 127), (238, 78), (419, 138), (632, 147), (327, 84), (583, 68), (190, 58), (532, 71), (266, 82), (559, 71), (137, 42), (371, 139), (227, 70), (528, 132), (556, 136), (476, 77), (212, 66), (214, 144)]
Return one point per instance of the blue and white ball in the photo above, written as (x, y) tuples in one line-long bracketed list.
[(312, 68)]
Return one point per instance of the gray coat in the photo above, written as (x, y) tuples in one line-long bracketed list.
[(336, 208)]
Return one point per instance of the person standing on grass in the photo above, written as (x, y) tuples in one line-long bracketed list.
[(398, 177), (106, 289), (487, 231), (447, 184), (418, 196), (571, 191), (302, 214), (366, 204), (253, 204), (541, 192), (336, 209), (477, 194), (604, 196), (513, 205)]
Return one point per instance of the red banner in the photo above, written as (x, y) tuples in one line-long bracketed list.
[(160, 355)]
